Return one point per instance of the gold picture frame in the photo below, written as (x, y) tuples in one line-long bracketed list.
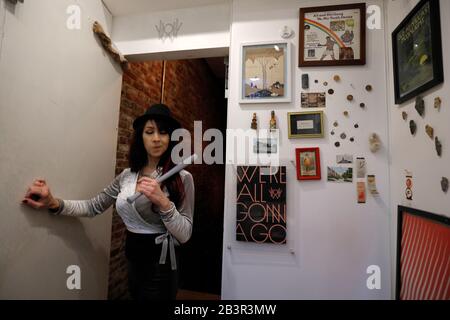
[(304, 125)]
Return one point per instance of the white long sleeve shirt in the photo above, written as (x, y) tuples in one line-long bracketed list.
[(139, 216)]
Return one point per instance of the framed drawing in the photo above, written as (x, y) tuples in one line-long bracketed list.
[(308, 163), (333, 35), (305, 124), (423, 251), (417, 49), (265, 72)]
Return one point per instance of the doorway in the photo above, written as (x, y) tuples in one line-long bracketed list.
[(195, 91)]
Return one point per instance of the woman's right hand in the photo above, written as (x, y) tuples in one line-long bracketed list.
[(39, 196)]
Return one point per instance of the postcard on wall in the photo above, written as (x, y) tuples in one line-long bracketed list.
[(361, 190), (261, 205), (344, 159), (313, 100), (372, 185), (360, 168), (340, 174)]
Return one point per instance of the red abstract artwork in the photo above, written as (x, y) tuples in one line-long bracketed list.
[(423, 270)]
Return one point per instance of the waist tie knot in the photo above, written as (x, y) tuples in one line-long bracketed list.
[(168, 242)]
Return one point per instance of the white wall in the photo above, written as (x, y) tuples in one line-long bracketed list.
[(333, 237), (56, 84), (59, 104), (202, 28), (417, 154)]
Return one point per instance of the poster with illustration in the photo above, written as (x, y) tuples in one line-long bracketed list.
[(417, 48), (332, 35), (261, 204)]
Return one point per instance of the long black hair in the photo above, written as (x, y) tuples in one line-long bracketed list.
[(138, 158)]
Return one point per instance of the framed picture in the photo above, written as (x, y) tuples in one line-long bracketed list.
[(265, 73), (417, 49), (305, 124), (313, 100), (333, 35), (422, 276), (308, 163)]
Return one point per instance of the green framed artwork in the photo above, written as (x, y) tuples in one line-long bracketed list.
[(417, 47), (305, 125)]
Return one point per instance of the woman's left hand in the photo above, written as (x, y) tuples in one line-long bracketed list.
[(152, 190)]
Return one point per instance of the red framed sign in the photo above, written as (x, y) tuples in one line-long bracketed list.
[(308, 163)]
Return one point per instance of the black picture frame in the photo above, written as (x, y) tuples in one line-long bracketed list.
[(415, 47), (401, 210)]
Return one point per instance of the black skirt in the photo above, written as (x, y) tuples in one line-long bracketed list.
[(147, 278)]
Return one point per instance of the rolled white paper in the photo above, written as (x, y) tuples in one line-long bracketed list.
[(186, 162)]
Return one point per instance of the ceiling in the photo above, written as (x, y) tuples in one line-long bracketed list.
[(121, 7)]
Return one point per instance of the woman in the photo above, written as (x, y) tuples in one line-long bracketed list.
[(156, 221)]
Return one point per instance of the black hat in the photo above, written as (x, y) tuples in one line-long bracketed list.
[(157, 111)]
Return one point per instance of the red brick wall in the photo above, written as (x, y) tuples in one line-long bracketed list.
[(193, 93), (141, 87)]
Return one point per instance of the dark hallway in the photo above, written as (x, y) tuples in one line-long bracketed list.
[(194, 90)]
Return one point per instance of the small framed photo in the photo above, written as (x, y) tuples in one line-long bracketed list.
[(305, 124), (265, 72), (308, 163)]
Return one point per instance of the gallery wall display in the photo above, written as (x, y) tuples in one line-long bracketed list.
[(417, 50), (261, 204), (308, 163), (305, 124), (333, 35), (422, 276), (265, 72)]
